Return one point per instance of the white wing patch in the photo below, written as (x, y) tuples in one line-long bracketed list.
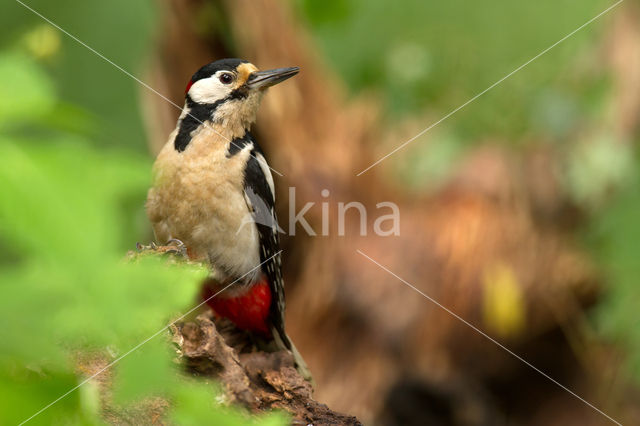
[(267, 173), (259, 212)]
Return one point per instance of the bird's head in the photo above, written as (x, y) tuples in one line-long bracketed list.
[(231, 89)]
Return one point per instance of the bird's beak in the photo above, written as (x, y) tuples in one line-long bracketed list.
[(264, 79)]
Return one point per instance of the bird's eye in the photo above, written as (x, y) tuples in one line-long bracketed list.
[(226, 78)]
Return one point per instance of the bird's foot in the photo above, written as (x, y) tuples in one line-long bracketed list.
[(177, 247), (142, 248), (174, 247)]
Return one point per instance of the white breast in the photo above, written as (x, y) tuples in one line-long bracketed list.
[(198, 198)]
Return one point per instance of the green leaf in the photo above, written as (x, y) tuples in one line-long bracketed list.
[(26, 92)]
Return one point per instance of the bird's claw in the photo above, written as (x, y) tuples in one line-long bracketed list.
[(151, 247), (179, 247), (173, 247)]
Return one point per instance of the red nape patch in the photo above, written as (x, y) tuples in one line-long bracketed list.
[(189, 84), (248, 312)]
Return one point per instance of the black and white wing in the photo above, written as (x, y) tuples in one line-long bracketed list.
[(259, 190)]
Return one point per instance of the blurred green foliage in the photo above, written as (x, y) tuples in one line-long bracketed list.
[(436, 55), (74, 180), (428, 58), (119, 29), (614, 238)]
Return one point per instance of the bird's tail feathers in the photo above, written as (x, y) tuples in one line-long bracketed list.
[(284, 342)]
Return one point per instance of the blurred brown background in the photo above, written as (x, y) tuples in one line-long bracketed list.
[(496, 239)]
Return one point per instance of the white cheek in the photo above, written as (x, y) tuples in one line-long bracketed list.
[(208, 90)]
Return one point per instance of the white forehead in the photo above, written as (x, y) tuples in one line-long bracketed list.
[(210, 89)]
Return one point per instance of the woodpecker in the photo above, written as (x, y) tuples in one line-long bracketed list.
[(211, 176)]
